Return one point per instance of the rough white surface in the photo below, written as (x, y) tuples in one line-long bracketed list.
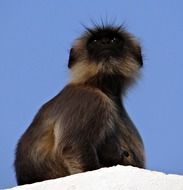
[(114, 178)]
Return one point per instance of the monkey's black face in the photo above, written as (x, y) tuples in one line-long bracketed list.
[(108, 42), (108, 50), (104, 44)]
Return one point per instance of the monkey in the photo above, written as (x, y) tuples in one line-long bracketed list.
[(86, 126)]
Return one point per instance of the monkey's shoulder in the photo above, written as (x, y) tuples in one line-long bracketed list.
[(77, 95), (76, 91)]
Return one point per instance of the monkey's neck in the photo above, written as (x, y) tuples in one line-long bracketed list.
[(111, 85), (114, 87)]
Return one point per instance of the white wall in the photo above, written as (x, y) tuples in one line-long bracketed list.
[(114, 178)]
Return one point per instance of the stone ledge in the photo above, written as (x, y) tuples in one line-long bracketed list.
[(113, 178)]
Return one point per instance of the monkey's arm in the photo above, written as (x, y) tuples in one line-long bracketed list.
[(83, 115), (85, 135)]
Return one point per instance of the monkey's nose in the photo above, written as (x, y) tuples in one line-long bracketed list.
[(105, 41)]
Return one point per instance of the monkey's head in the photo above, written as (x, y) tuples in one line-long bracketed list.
[(105, 50)]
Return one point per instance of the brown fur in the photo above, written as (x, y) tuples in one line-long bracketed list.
[(85, 127)]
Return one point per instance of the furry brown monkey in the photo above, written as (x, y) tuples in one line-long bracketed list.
[(86, 127)]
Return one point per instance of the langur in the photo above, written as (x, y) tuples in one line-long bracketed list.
[(86, 127)]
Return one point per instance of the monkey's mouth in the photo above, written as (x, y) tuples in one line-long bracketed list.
[(105, 54)]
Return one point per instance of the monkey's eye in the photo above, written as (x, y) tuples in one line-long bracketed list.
[(92, 41), (114, 40)]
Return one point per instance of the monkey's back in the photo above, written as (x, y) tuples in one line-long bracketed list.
[(78, 130)]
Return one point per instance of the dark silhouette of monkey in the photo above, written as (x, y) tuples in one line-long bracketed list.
[(85, 126)]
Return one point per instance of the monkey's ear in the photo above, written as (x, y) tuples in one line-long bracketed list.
[(71, 58), (139, 57)]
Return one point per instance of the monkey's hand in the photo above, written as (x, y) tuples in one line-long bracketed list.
[(110, 152)]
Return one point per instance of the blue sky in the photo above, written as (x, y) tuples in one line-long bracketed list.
[(35, 38)]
